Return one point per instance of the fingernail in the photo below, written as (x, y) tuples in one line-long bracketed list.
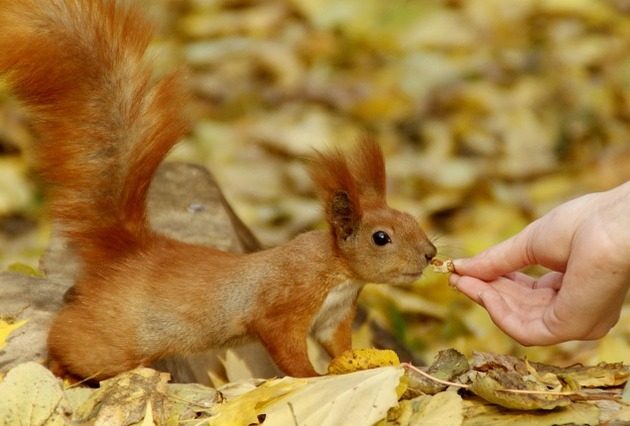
[(459, 263)]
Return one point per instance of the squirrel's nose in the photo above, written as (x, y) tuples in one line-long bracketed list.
[(430, 251)]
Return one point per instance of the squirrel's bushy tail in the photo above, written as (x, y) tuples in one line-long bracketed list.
[(79, 67)]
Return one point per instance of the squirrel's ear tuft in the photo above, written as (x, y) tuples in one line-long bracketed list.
[(337, 189), (368, 169)]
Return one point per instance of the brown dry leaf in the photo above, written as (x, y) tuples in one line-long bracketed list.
[(496, 387), (486, 361), (448, 364), (600, 375), (550, 380), (481, 413), (123, 400), (494, 377)]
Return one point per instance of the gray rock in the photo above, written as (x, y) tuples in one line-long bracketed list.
[(33, 299)]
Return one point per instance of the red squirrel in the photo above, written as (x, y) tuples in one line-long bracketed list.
[(105, 126)]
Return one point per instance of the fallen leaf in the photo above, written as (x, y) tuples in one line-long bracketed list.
[(6, 328), (32, 395), (481, 413), (362, 359), (448, 364), (357, 399), (122, 400), (246, 408), (497, 387), (189, 401), (600, 375), (444, 409), (24, 269)]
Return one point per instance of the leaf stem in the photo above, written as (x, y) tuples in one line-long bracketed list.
[(430, 377), (535, 392)]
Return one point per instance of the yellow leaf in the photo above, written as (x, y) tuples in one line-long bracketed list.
[(246, 408), (444, 409), (24, 269), (362, 359), (6, 328)]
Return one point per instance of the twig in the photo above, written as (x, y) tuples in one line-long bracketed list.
[(430, 377), (540, 392), (84, 380)]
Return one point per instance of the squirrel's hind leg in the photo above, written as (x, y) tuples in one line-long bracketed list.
[(77, 351)]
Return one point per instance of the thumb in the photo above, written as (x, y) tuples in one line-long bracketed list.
[(505, 257)]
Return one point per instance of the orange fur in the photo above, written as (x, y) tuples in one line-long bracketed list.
[(338, 190), (78, 66), (368, 168)]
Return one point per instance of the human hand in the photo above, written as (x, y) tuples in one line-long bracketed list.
[(586, 245)]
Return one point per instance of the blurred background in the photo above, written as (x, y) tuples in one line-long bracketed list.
[(489, 113)]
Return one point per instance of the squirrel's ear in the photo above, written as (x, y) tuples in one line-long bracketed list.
[(337, 189), (368, 169), (343, 215)]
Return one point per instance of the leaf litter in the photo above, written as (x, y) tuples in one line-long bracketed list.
[(489, 388), (488, 116)]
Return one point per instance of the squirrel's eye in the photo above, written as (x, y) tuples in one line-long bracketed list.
[(381, 238)]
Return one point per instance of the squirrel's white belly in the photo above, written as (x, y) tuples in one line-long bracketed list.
[(339, 301)]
